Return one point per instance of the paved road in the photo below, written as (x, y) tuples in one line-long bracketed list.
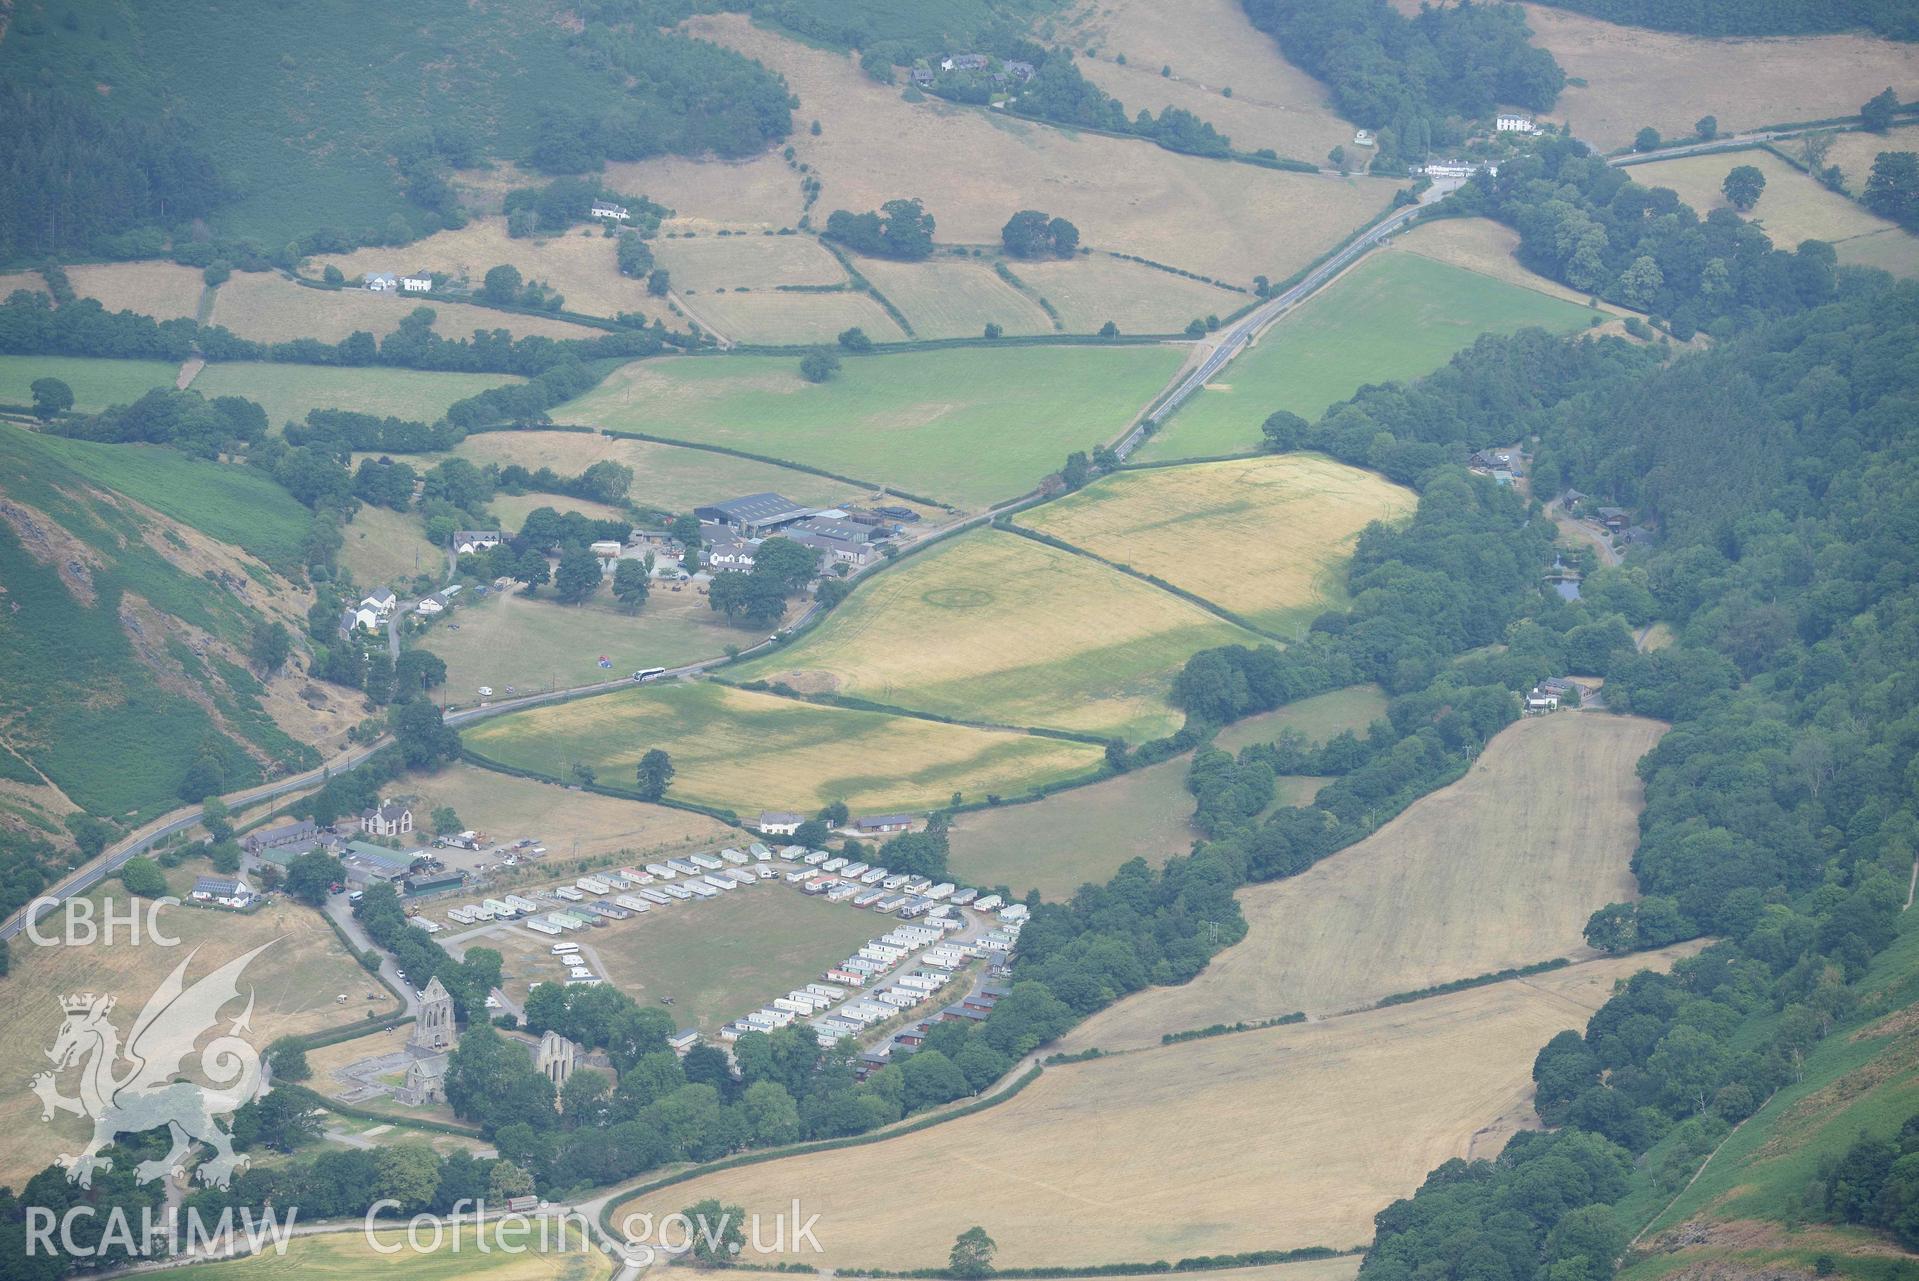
[(1726, 142), (1242, 333)]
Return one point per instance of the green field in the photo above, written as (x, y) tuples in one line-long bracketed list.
[(510, 641), (1394, 316), (716, 960), (752, 751), (385, 548), (96, 383), (347, 1256), (1096, 650), (1076, 836), (286, 392), (1318, 718), (233, 504), (971, 426)]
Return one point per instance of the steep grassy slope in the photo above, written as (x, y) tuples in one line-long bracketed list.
[(126, 621)]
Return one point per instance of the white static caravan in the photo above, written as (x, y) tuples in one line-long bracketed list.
[(762, 1020), (479, 911), (892, 904), (655, 896), (543, 927), (431, 927), (962, 897), (634, 876), (872, 876), (742, 876), (815, 858), (563, 919), (866, 898), (521, 903), (840, 893), (679, 892), (568, 893), (883, 955), (501, 908), (832, 1029), (718, 882), (826, 990), (943, 890), (706, 861), (592, 885), (633, 903), (833, 864), (942, 960), (459, 916), (992, 902), (662, 871), (867, 1011), (700, 889), (797, 875), (899, 998), (852, 871), (759, 851), (922, 982), (683, 867), (895, 880), (852, 978), (792, 1006), (734, 857)]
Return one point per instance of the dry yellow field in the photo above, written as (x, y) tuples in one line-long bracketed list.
[(1481, 245), (513, 509), (1499, 870), (707, 194), (1203, 215), (753, 751), (1894, 249), (570, 824), (1089, 291), (1096, 650), (31, 281), (1792, 208), (267, 307), (1274, 1139), (1265, 537), (955, 298), (349, 1253), (163, 290), (753, 262), (294, 984), (768, 316), (580, 264), (384, 547), (1855, 150), (1210, 46), (667, 476), (1637, 77)]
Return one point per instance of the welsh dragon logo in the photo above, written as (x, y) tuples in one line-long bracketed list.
[(146, 1094)]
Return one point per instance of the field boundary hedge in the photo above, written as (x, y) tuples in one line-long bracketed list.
[(738, 1160), (1005, 522), (1478, 980), (861, 282), (472, 757), (848, 703), (777, 462)]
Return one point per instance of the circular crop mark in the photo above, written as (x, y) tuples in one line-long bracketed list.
[(958, 597)]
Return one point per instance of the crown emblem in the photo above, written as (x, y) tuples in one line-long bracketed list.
[(85, 1003)]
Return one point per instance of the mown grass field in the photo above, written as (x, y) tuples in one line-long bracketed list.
[(1077, 836), (753, 751), (385, 548), (785, 318), (955, 298), (580, 264), (294, 983), (1393, 316), (227, 502), (348, 1256), (96, 384), (1090, 290), (1856, 149), (513, 509), (1499, 870), (1318, 718), (715, 959), (669, 477), (755, 262), (267, 307), (572, 825), (287, 392), (1274, 1139), (508, 640), (1096, 651), (971, 426), (1267, 538), (974, 168), (1792, 208), (1210, 46), (1635, 77), (163, 290), (1483, 246)]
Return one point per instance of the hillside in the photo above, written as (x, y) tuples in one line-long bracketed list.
[(133, 578)]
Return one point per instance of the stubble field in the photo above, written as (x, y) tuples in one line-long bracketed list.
[(163, 290), (1267, 538), (1090, 290), (784, 317), (971, 426), (1274, 1139), (755, 262), (955, 298), (1204, 215), (1095, 651), (570, 824), (753, 751), (1499, 870), (267, 307)]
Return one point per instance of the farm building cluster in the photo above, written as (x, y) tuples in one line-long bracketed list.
[(732, 530)]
